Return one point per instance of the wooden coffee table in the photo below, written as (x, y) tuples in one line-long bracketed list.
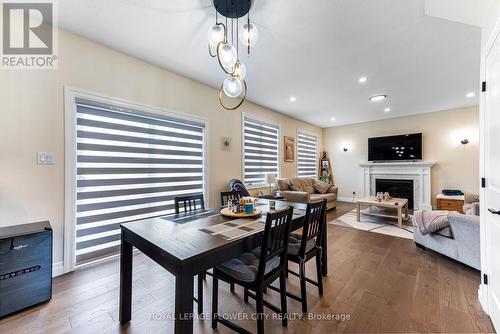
[(395, 203)]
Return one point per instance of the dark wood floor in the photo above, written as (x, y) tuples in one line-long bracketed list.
[(381, 283)]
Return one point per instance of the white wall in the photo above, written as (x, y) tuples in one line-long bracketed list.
[(32, 119), (457, 165)]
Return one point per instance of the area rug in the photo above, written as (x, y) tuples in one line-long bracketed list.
[(380, 225)]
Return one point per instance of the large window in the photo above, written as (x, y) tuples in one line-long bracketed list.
[(307, 154), (261, 151), (130, 165)]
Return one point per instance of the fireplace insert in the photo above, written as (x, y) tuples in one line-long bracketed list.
[(396, 188)]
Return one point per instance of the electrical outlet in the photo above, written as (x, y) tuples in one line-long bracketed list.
[(45, 158)]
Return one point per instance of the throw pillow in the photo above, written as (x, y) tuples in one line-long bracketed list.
[(307, 184), (294, 184), (282, 184), (321, 187)]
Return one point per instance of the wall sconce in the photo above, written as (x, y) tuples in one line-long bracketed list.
[(345, 146), (464, 141)]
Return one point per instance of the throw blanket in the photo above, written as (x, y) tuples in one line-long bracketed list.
[(430, 221)]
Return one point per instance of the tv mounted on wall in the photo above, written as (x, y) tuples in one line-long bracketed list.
[(395, 148)]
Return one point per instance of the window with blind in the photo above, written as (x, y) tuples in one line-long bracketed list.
[(261, 150), (130, 165), (307, 155)]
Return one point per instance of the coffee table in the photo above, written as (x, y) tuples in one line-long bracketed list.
[(395, 203)]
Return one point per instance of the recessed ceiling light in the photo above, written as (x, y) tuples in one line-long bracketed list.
[(363, 79), (387, 109), (293, 99), (470, 95), (332, 119), (378, 98)]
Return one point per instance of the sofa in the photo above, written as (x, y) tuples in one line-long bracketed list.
[(301, 190), (459, 241)]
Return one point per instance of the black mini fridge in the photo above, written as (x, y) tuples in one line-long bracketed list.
[(25, 266)]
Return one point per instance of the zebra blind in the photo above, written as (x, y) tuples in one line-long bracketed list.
[(307, 155), (130, 166), (261, 154)]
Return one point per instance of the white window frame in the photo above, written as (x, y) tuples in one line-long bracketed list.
[(70, 95), (306, 132), (260, 119)]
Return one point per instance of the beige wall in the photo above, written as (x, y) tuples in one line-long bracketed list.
[(32, 119), (457, 165)]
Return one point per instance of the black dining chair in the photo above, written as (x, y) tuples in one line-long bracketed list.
[(257, 270), (191, 203), (226, 196), (303, 247)]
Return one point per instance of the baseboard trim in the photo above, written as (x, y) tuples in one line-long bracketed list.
[(346, 199), (483, 298), (57, 269)]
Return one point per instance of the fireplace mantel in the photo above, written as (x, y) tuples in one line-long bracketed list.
[(418, 171), (424, 164)]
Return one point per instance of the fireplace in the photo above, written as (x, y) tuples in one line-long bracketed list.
[(419, 172), (396, 188)]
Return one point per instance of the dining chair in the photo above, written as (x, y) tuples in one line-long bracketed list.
[(226, 196), (190, 203), (303, 247), (258, 269)]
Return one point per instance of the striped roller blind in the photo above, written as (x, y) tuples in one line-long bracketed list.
[(130, 165), (261, 143), (307, 155)]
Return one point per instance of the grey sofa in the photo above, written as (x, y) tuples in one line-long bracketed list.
[(306, 193), (459, 241)]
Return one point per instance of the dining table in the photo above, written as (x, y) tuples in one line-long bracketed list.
[(189, 243)]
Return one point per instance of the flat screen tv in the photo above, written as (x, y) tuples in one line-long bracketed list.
[(395, 148)]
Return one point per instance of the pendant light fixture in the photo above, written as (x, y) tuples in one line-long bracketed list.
[(223, 45)]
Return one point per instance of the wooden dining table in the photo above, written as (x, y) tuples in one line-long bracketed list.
[(178, 243)]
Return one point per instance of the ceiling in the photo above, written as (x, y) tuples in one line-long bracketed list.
[(314, 50)]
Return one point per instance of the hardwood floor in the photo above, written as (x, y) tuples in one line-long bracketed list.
[(380, 283)]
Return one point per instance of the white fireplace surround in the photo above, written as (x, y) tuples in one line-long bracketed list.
[(419, 172)]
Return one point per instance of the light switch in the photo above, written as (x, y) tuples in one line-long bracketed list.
[(45, 158)]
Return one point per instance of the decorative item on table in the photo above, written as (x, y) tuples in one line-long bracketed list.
[(387, 196), (249, 208), (233, 205), (452, 192), (272, 205), (241, 205), (380, 196), (270, 180)]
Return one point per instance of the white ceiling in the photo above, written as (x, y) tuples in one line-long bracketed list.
[(315, 50)]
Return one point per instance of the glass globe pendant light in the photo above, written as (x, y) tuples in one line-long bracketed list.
[(233, 87), (216, 34), (223, 42), (227, 56), (240, 70), (249, 35)]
